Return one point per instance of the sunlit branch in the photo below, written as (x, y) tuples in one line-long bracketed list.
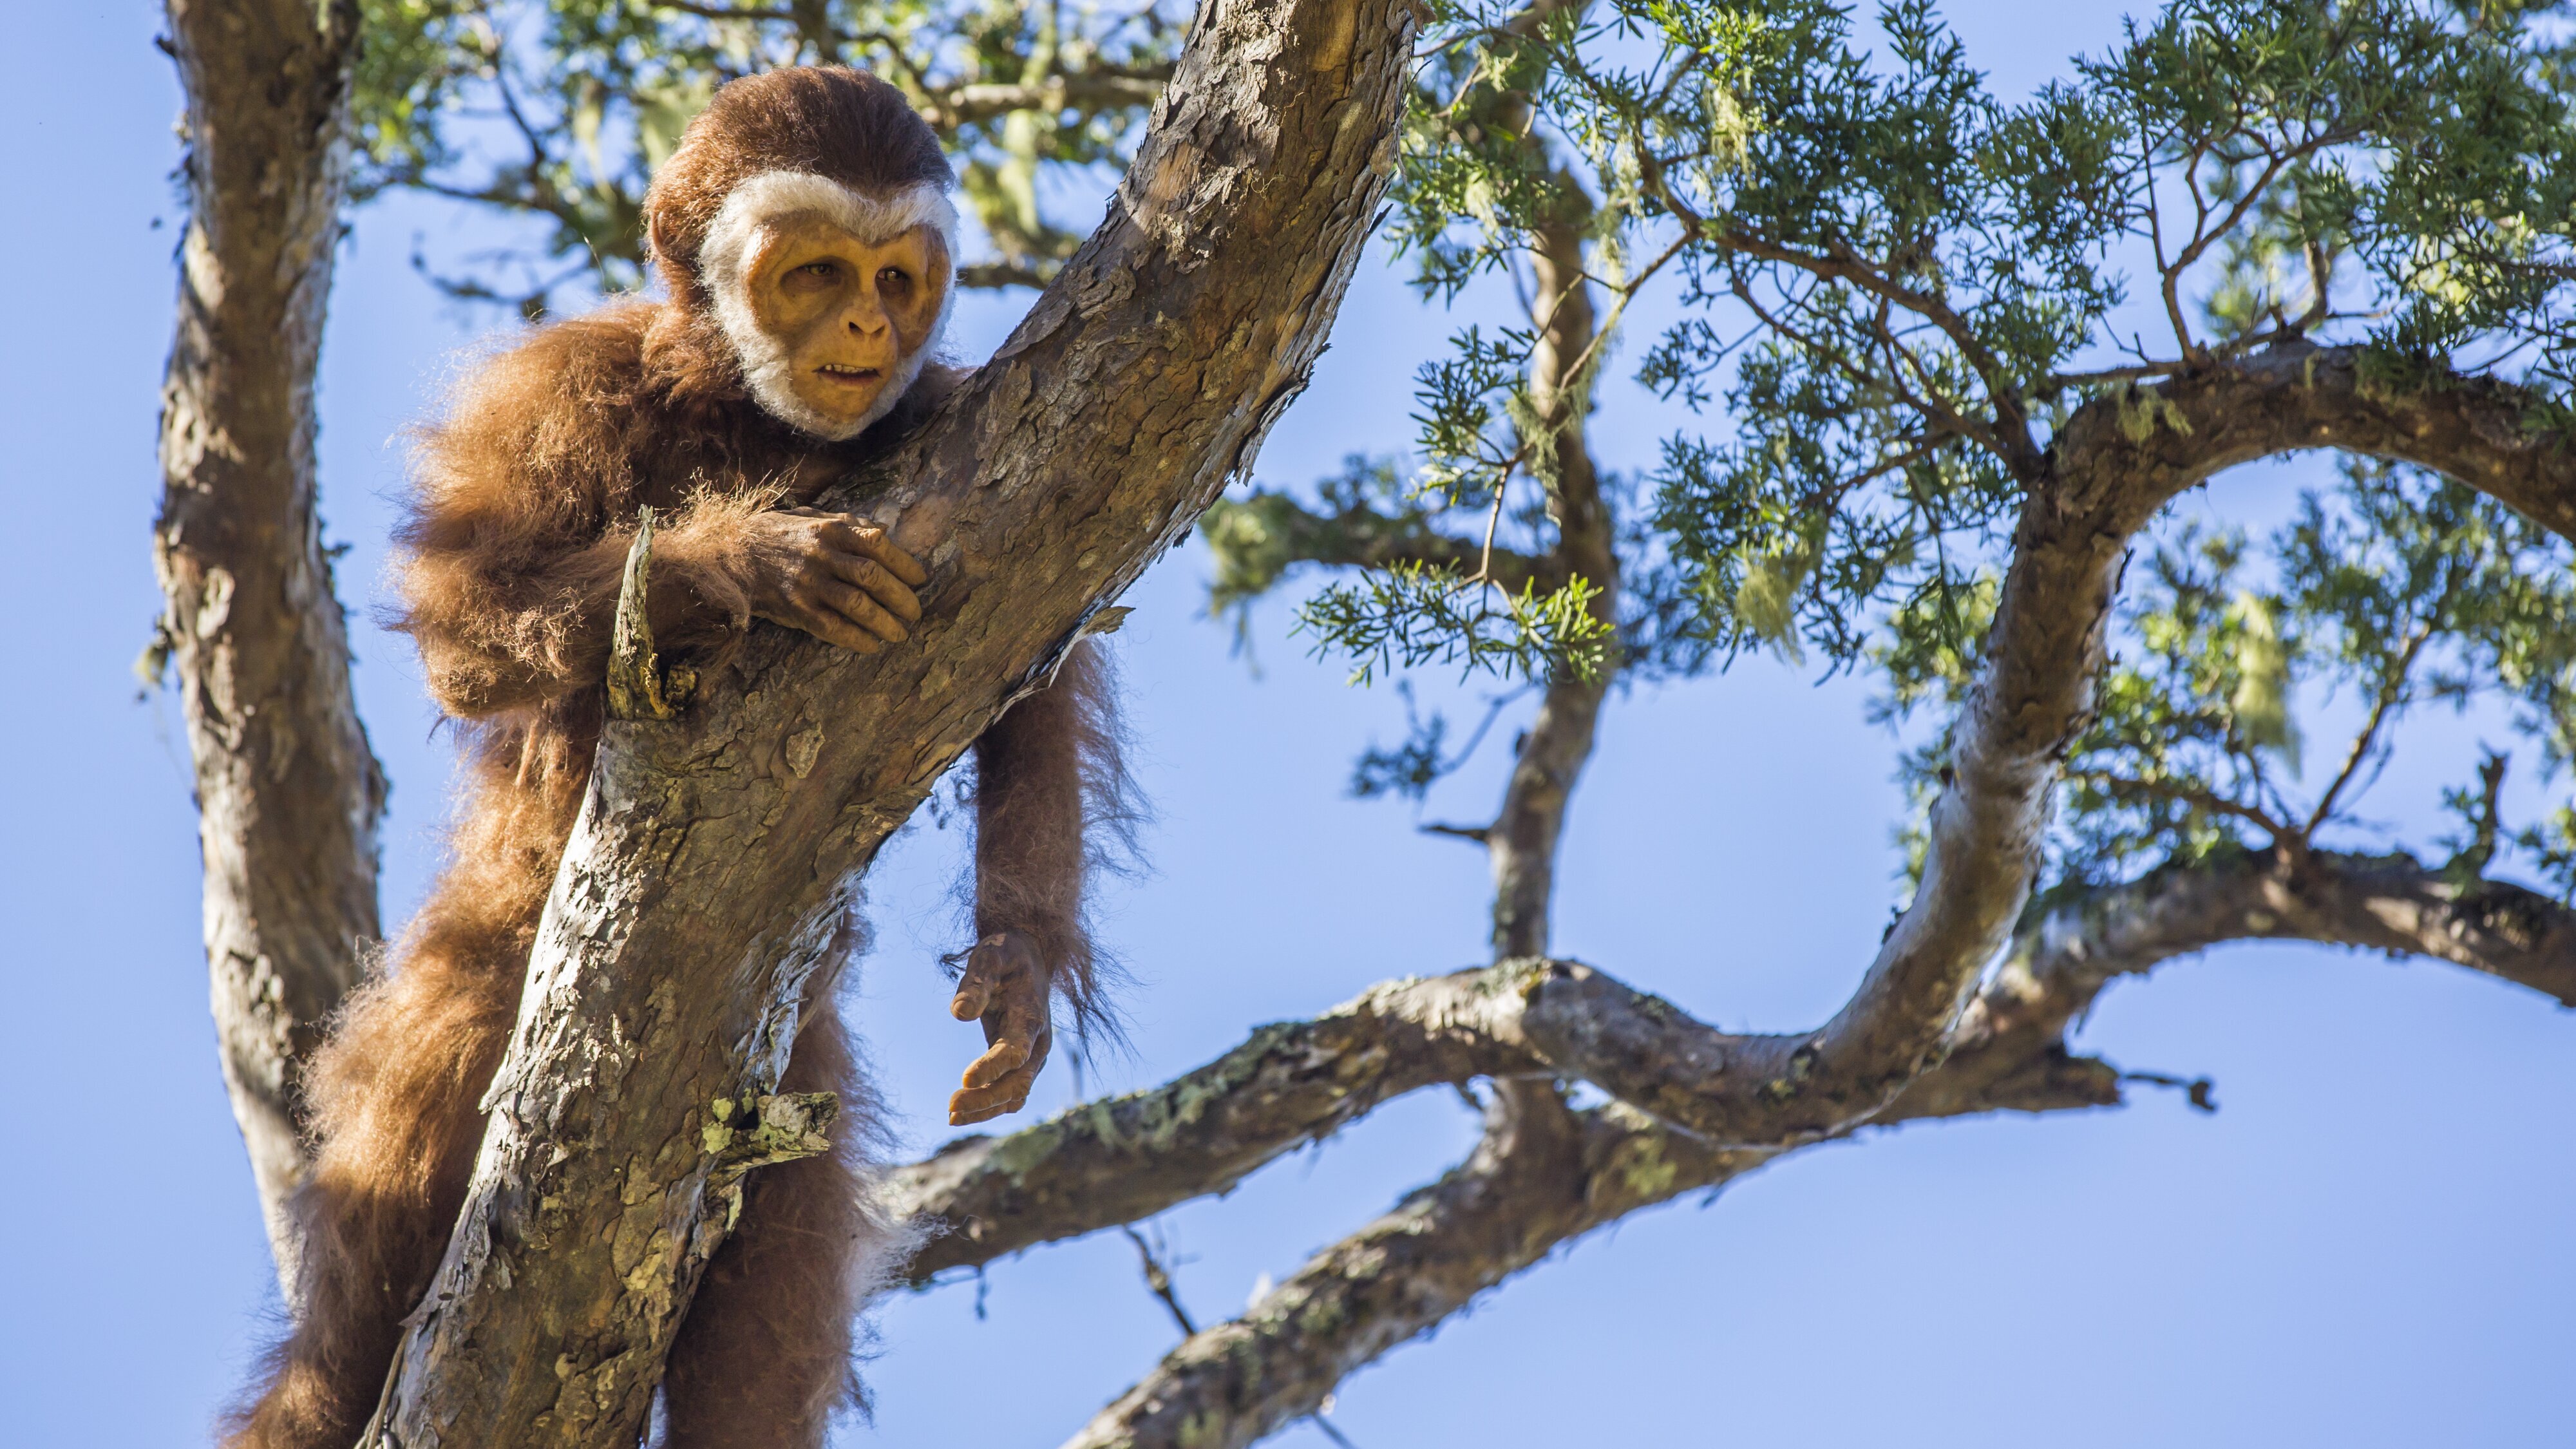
[(1543, 1175)]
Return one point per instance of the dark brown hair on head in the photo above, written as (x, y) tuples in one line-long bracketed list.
[(830, 120)]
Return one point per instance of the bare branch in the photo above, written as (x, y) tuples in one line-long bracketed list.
[(998, 274), (1158, 1279), (1544, 1175), (1128, 1158), (2391, 689), (967, 105), (751, 13), (2126, 787)]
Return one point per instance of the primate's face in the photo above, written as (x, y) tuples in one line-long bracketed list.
[(849, 314)]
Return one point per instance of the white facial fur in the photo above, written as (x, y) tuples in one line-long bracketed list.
[(733, 247)]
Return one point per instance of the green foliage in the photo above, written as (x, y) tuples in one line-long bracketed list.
[(1410, 614), (1881, 289), (559, 109), (1889, 277), (1410, 769), (1889, 289), (2394, 592)]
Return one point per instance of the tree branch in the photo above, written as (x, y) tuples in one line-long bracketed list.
[(711, 861), (1130, 1157), (1522, 842), (1543, 1175), (2119, 460), (288, 792), (968, 105)]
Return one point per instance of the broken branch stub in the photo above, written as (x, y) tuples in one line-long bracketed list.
[(637, 686)]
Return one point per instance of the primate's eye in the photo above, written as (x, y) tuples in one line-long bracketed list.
[(821, 271), (894, 277)]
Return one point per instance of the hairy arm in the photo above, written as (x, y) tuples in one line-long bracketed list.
[(529, 488), (1048, 777)]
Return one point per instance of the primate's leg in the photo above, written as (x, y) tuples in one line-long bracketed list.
[(396, 1093), (763, 1357)]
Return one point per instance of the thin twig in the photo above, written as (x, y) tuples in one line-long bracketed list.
[(2208, 800), (2390, 689), (723, 12), (1159, 1279)]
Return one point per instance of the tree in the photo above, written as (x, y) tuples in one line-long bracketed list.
[(287, 789), (1945, 439)]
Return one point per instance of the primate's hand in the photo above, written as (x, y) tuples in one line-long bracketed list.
[(1006, 986), (833, 576)]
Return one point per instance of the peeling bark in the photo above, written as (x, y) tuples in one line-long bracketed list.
[(288, 792), (712, 859)]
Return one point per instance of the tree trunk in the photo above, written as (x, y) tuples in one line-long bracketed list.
[(714, 852), (288, 792)]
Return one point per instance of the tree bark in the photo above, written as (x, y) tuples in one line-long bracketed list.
[(1130, 1157), (1521, 844), (714, 853), (2118, 461), (1544, 1175), (288, 791)]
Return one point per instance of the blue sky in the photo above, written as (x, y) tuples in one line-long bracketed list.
[(2366, 1246)]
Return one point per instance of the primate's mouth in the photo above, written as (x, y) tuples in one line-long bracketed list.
[(843, 372)]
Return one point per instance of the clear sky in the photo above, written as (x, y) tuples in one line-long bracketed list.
[(2366, 1246)]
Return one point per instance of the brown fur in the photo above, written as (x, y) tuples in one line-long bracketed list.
[(1050, 786), (527, 494)]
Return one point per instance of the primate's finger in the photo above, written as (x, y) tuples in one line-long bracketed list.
[(984, 967), (982, 1104), (880, 583), (871, 540), (828, 624), (1024, 1021), (998, 1062), (865, 612)]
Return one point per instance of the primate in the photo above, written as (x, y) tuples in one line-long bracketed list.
[(805, 239)]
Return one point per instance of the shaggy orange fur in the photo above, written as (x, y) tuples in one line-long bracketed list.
[(528, 489)]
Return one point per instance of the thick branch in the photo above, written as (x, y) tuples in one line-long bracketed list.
[(288, 791), (2120, 459), (1543, 1176), (1128, 1158), (1131, 1157), (713, 854)]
